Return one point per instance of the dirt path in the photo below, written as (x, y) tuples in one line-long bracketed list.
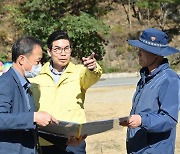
[(106, 103)]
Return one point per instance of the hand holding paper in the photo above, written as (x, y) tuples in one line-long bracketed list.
[(74, 141), (69, 129)]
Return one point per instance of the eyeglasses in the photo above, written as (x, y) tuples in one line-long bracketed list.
[(59, 50)]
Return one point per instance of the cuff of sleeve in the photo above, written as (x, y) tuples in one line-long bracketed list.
[(33, 123), (143, 120), (27, 122)]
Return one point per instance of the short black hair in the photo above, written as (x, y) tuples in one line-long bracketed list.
[(57, 35), (24, 46)]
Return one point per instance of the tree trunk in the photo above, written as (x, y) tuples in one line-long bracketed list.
[(129, 12), (148, 14), (137, 13), (164, 11)]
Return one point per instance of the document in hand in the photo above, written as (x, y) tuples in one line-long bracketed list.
[(67, 129)]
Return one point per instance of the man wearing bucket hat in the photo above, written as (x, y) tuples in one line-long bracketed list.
[(154, 113)]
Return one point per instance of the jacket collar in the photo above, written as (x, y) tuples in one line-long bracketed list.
[(144, 71), (69, 69), (14, 75), (24, 82), (46, 70), (19, 84)]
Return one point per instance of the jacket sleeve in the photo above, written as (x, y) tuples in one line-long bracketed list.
[(13, 120), (88, 77), (167, 116)]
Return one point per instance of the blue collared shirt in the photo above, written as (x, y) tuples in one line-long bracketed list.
[(56, 75)]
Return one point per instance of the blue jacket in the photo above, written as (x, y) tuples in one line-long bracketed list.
[(156, 100), (17, 130)]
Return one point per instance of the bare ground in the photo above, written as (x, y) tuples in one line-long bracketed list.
[(106, 103)]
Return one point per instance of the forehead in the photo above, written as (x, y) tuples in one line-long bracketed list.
[(61, 43)]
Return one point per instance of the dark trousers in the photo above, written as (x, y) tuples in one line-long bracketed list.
[(52, 149)]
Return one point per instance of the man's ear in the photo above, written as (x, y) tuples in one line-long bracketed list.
[(21, 59), (49, 52)]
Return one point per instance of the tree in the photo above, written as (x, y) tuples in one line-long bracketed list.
[(79, 17), (160, 10)]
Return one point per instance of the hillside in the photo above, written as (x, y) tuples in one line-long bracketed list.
[(119, 57)]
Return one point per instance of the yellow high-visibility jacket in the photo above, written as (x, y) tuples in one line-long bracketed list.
[(64, 100)]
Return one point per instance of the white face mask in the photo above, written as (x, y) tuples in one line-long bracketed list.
[(36, 69)]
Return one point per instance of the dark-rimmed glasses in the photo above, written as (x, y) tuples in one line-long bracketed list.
[(59, 50)]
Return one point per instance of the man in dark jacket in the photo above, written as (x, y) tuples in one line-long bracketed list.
[(18, 119), (154, 113)]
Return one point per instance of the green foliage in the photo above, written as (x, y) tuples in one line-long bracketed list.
[(3, 57), (160, 11), (155, 4), (41, 17), (86, 33), (175, 61), (108, 69)]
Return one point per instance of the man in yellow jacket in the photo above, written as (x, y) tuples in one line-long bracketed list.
[(61, 86)]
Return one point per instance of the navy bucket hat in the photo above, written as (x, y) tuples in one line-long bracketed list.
[(154, 41)]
